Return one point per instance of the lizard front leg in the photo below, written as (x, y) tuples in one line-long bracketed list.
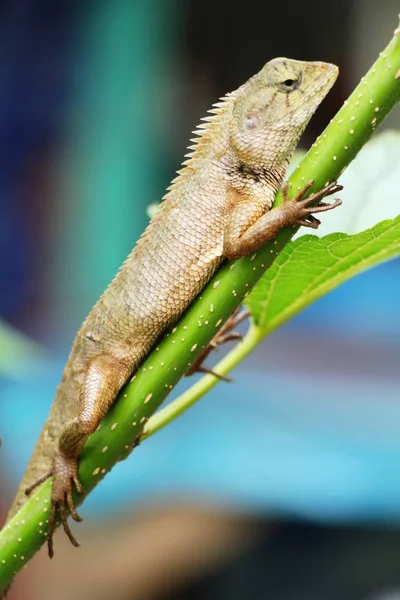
[(247, 230), (103, 379)]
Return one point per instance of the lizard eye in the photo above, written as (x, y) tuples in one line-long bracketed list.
[(252, 122), (289, 85)]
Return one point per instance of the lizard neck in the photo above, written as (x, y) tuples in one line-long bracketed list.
[(213, 163), (261, 182)]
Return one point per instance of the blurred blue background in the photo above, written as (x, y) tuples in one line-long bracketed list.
[(97, 102)]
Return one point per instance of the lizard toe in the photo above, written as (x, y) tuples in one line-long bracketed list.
[(38, 481), (71, 507), (51, 529), (65, 478), (64, 521)]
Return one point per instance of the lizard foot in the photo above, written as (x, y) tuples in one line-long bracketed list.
[(65, 476), (225, 334), (301, 208)]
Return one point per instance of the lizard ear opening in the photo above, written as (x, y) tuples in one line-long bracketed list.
[(252, 122)]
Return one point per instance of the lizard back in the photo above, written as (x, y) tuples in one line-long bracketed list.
[(170, 265)]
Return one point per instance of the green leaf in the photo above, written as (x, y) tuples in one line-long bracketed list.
[(310, 267)]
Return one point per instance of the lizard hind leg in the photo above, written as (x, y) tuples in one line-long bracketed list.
[(104, 378), (227, 333)]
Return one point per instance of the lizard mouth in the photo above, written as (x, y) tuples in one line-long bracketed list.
[(327, 76)]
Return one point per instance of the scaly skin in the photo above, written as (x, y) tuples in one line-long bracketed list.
[(218, 207)]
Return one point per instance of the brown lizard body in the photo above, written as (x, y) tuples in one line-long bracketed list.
[(217, 208)]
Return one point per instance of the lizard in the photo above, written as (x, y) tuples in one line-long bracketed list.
[(218, 207)]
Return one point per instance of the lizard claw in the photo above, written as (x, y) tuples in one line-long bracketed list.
[(52, 526), (310, 221), (207, 371), (65, 476), (301, 208)]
